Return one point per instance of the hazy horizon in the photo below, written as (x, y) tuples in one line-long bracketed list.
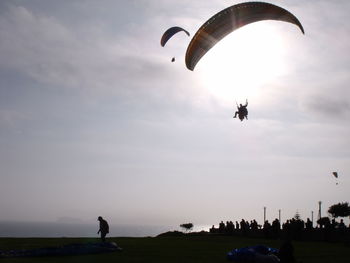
[(95, 119), (66, 229)]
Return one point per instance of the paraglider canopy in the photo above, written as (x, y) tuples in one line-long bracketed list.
[(230, 19), (170, 32)]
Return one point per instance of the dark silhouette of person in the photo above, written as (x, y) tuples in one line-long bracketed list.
[(308, 224), (244, 227), (242, 111), (267, 228), (104, 228), (230, 227), (254, 225), (237, 225), (222, 227), (276, 227), (341, 224)]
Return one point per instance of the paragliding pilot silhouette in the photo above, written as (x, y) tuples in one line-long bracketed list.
[(242, 111), (104, 228)]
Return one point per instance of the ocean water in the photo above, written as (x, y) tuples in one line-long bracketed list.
[(37, 229)]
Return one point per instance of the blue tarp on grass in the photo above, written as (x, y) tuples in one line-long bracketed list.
[(65, 250), (253, 254)]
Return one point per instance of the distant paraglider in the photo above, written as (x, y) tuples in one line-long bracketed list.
[(169, 33), (242, 111), (228, 20), (335, 174)]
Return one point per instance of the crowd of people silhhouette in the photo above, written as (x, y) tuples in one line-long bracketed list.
[(294, 228)]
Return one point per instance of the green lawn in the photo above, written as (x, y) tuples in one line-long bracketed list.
[(176, 249)]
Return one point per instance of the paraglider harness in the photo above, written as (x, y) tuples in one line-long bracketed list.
[(242, 111)]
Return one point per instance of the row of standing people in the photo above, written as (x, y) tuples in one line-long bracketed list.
[(290, 225), (243, 225)]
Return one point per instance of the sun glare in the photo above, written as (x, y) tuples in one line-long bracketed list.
[(239, 65)]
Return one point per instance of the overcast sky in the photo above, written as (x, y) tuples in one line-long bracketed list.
[(96, 120)]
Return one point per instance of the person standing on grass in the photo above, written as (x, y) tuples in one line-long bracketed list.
[(104, 228)]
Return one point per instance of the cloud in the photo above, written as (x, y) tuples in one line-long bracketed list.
[(330, 107), (95, 60), (10, 118), (37, 45)]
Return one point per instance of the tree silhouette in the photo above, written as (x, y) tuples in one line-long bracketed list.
[(339, 210), (187, 226)]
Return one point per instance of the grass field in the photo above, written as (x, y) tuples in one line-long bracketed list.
[(200, 249)]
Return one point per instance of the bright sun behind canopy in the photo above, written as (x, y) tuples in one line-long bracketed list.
[(241, 64)]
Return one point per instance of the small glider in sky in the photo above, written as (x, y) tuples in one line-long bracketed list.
[(335, 174), (169, 34)]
